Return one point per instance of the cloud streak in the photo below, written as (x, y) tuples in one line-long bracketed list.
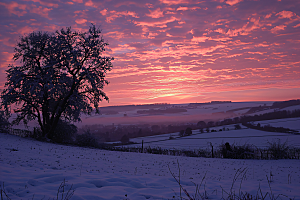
[(176, 51)]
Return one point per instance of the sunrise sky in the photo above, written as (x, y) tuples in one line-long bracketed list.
[(176, 51)]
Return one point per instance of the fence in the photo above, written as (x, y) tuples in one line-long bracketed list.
[(20, 132)]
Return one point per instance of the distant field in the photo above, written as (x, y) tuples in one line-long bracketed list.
[(239, 137), (291, 123)]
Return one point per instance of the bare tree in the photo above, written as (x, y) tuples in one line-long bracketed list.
[(61, 75)]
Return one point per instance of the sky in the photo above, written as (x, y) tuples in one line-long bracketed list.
[(176, 51)]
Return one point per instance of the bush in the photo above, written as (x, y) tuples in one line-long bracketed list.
[(37, 134), (86, 140), (236, 152), (4, 124), (181, 133), (125, 139), (64, 132), (237, 127), (188, 131), (278, 150)]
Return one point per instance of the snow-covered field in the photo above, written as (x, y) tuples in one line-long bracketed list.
[(194, 114), (238, 137), (31, 169), (291, 123)]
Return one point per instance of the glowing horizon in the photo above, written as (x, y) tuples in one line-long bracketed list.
[(182, 51)]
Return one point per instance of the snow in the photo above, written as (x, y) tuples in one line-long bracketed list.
[(239, 137), (31, 169), (291, 123), (206, 112)]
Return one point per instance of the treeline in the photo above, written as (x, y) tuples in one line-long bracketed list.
[(160, 111), (112, 133), (249, 118), (270, 128), (275, 105)]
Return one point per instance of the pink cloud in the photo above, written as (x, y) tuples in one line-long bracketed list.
[(44, 3), (246, 29), (24, 30), (278, 28), (78, 1), (182, 8), (285, 14), (44, 12), (233, 2), (90, 4), (160, 24), (155, 13), (115, 14), (199, 39), (298, 25), (15, 8), (80, 21), (229, 49), (174, 2), (268, 16), (103, 12)]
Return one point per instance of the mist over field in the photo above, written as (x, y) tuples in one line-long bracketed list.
[(192, 114)]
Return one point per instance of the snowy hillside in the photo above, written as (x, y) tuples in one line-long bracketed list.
[(31, 169), (239, 137)]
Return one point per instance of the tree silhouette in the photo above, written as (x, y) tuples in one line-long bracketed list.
[(201, 124), (62, 74), (188, 131)]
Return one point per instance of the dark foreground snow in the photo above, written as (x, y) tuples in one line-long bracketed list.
[(31, 169)]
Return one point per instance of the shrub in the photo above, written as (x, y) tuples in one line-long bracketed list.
[(86, 140), (237, 127), (4, 124), (278, 150), (236, 152), (125, 139), (188, 131), (37, 134), (181, 133), (64, 132)]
